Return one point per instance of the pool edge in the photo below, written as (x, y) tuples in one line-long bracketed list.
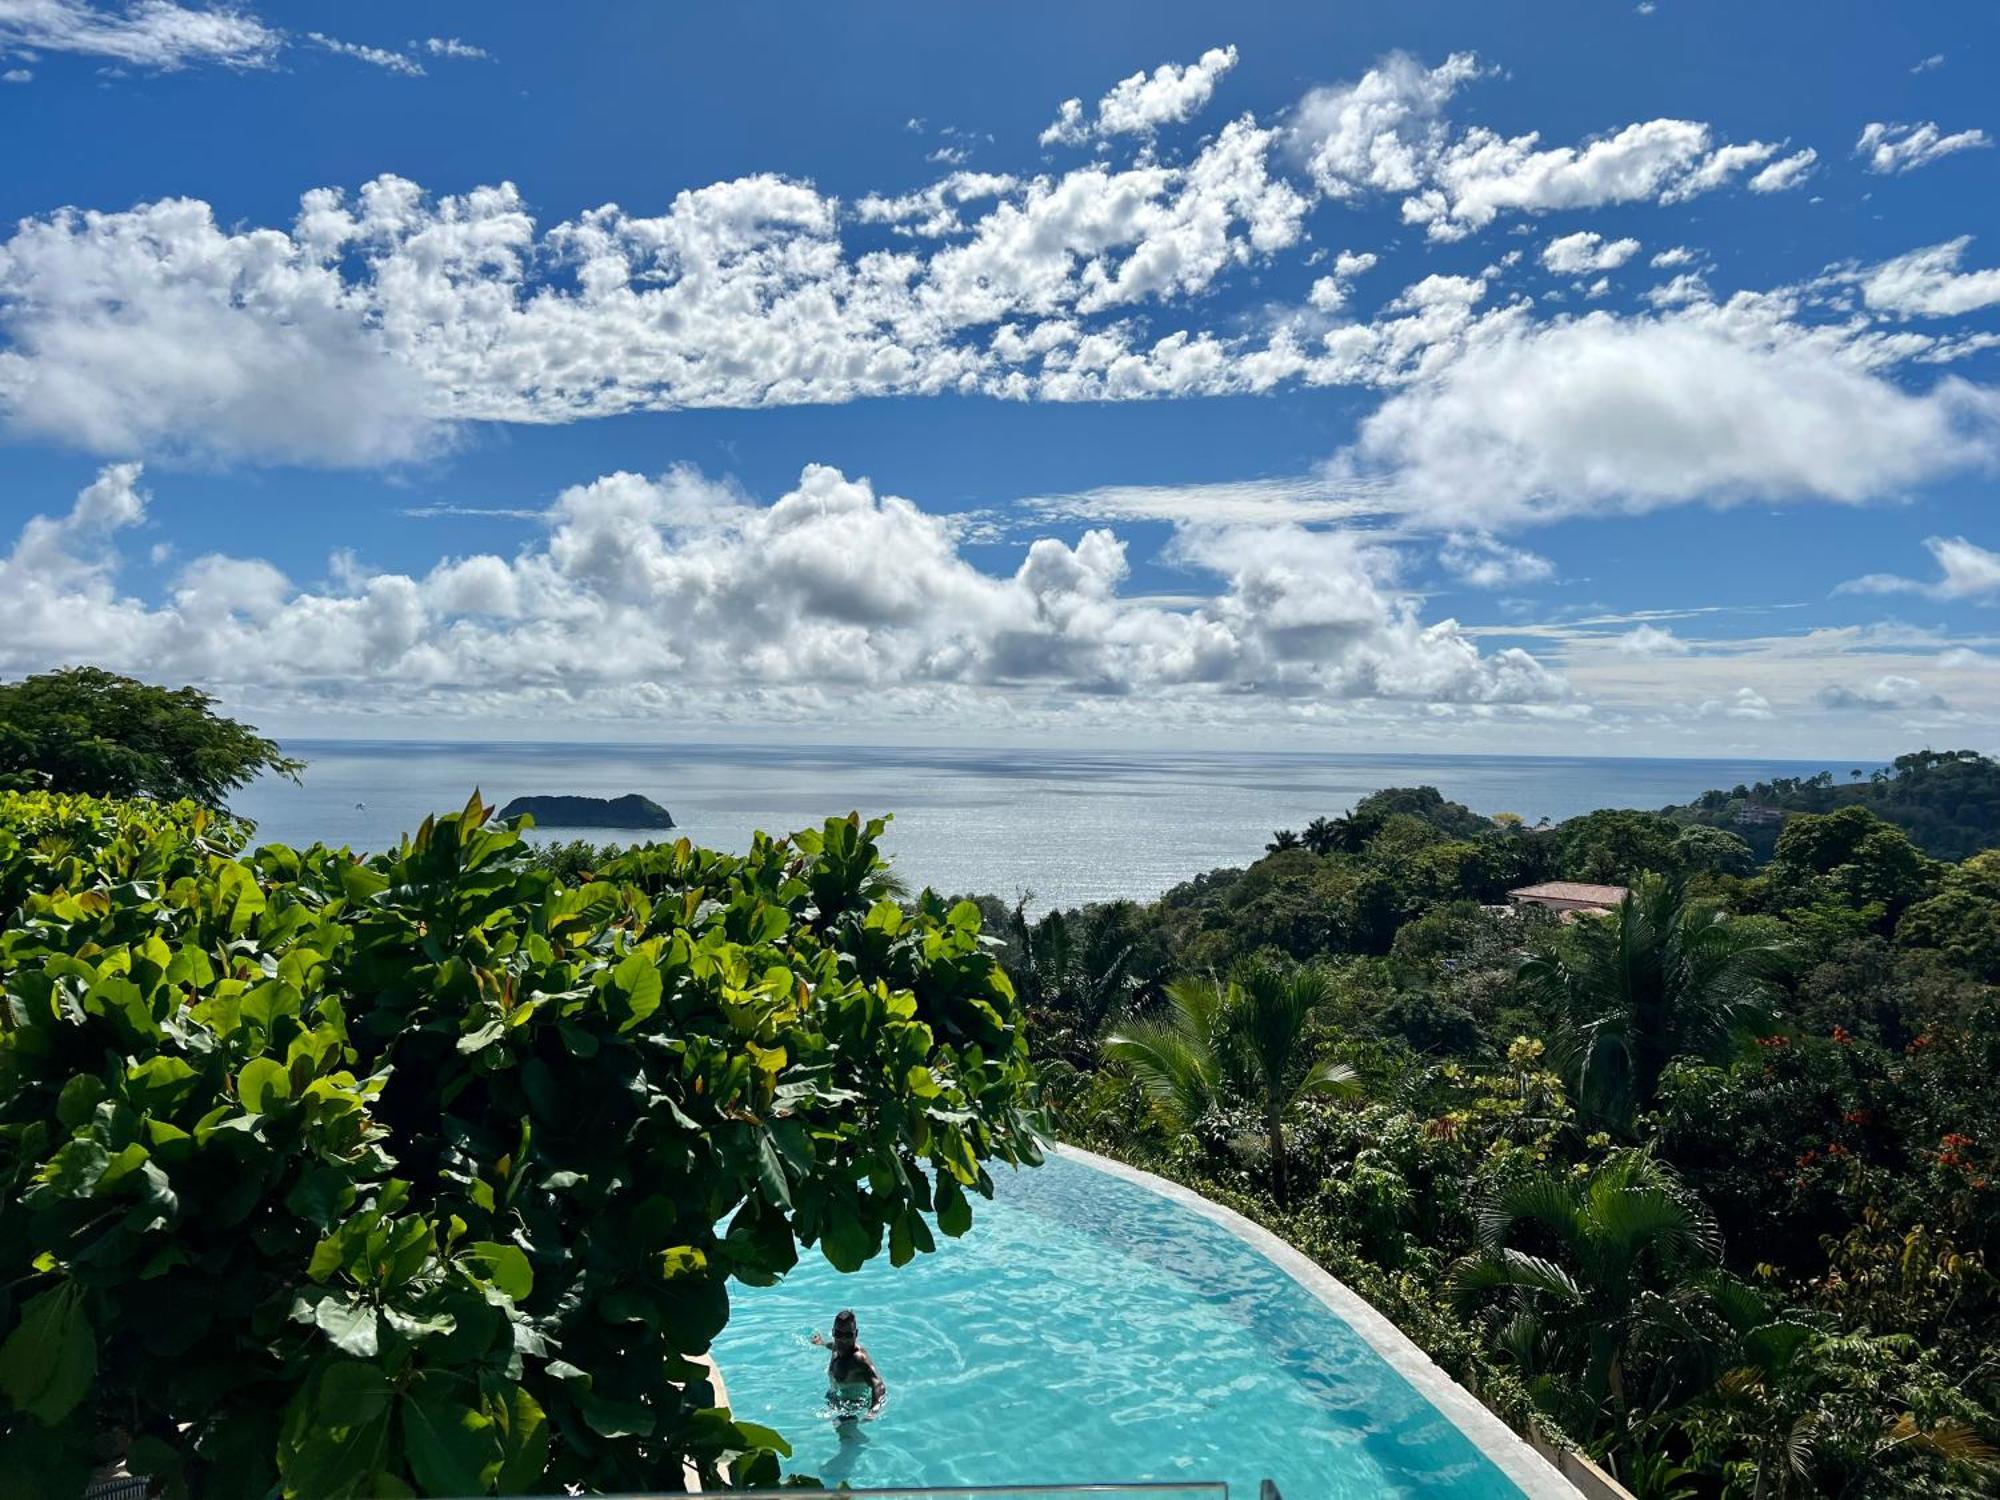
[(1501, 1446)]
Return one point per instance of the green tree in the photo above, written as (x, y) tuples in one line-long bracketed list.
[(1283, 839), (1073, 973), (1271, 1051), (1962, 920), (1851, 855), (1658, 978), (1251, 1039), (1577, 1274), (430, 1172), (83, 729), (1701, 850)]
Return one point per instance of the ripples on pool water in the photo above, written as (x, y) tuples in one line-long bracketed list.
[(1090, 1331)]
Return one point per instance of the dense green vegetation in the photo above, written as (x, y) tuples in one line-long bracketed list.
[(1706, 1186), (87, 730), (1948, 801), (428, 1172)]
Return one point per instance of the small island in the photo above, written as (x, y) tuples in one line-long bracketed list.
[(629, 811)]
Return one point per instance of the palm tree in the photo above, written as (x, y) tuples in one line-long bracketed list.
[(1176, 1057), (1072, 976), (1271, 1053), (1659, 978), (1580, 1273), (1249, 1040), (1322, 836), (1282, 840)]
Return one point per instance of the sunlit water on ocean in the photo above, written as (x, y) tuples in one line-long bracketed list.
[(1090, 1331), (1065, 825)]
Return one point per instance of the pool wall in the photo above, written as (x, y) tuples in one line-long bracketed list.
[(1505, 1449)]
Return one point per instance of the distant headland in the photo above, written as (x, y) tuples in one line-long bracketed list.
[(629, 811)]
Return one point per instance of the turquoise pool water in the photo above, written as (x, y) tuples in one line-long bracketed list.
[(1088, 1330)]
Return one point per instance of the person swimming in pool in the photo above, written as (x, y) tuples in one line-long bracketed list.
[(851, 1375)]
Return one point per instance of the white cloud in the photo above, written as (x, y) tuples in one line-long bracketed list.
[(1928, 282), (451, 46), (1483, 175), (380, 57), (1387, 133), (1904, 148), (1679, 255), (1141, 104), (17, 75), (1744, 703), (146, 33), (1484, 563), (1383, 132), (154, 331), (739, 294), (1935, 60), (1785, 174), (1329, 293), (1965, 571), (834, 589), (1650, 641), (1586, 250), (1622, 415)]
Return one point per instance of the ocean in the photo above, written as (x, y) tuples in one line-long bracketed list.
[(1056, 826)]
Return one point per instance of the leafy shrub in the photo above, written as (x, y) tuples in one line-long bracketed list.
[(427, 1172)]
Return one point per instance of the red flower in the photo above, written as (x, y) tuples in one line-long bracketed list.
[(1840, 1035)]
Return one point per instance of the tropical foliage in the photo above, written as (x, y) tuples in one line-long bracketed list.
[(428, 1172), (1705, 1185), (88, 730)]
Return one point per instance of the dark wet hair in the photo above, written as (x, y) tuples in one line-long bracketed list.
[(843, 1321)]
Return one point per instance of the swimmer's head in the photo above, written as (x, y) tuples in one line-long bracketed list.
[(843, 1327)]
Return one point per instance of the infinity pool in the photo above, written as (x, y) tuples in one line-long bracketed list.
[(1091, 1330)]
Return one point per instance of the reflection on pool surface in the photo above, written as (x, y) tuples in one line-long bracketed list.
[(1088, 1330)]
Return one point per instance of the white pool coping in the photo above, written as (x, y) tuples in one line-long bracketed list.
[(1504, 1448)]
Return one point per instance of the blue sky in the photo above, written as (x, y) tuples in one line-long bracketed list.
[(1558, 377)]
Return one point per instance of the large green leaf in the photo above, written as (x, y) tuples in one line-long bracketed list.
[(47, 1362), (454, 1445)]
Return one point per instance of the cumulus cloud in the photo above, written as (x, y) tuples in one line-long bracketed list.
[(1678, 255), (155, 331), (377, 316), (1625, 415), (1586, 250), (1141, 104), (1965, 571), (1928, 282), (834, 588), (1904, 148), (1744, 703), (1383, 132), (1651, 640), (1387, 133), (145, 33)]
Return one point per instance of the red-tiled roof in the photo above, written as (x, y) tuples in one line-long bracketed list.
[(1571, 890)]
